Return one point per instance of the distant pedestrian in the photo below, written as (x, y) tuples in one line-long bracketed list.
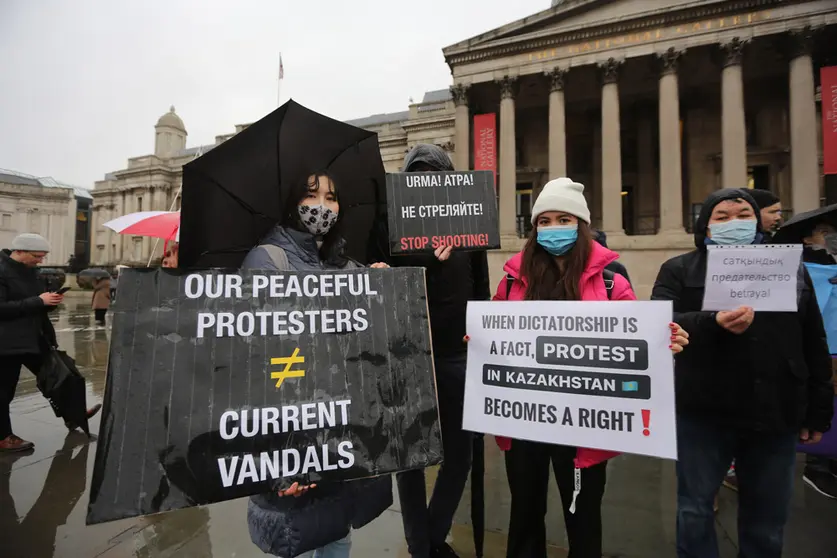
[(101, 298), (751, 385), (26, 334)]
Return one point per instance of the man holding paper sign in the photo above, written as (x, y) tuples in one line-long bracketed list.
[(751, 386)]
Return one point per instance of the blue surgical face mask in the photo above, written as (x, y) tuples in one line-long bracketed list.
[(558, 240), (733, 232)]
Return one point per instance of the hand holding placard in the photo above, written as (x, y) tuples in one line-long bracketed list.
[(736, 321)]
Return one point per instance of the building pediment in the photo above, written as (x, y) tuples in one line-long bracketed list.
[(576, 20)]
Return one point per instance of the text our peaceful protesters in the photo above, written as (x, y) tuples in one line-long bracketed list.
[(226, 385), (284, 322)]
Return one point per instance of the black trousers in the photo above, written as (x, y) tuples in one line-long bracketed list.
[(427, 526), (100, 314), (527, 467), (9, 376)]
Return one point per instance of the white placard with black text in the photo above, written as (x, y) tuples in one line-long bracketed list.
[(763, 277), (588, 374)]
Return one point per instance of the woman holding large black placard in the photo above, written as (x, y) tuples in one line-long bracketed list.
[(305, 517), (561, 261)]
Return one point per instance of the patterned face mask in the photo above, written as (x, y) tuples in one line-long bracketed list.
[(318, 219)]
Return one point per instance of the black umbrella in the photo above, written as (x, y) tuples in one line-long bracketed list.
[(235, 193), (799, 226), (52, 278), (478, 494), (86, 278), (62, 384)]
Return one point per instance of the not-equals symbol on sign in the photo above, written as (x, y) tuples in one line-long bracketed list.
[(287, 372)]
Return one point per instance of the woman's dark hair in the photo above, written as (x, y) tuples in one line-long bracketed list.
[(546, 279), (333, 248)]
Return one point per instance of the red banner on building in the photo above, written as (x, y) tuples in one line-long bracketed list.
[(485, 143), (828, 81)]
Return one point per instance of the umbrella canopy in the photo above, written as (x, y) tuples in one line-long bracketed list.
[(53, 278), (798, 226), (157, 224), (62, 384), (234, 194), (86, 278)]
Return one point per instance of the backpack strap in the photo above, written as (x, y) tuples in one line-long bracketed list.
[(509, 284), (609, 281), (277, 256)]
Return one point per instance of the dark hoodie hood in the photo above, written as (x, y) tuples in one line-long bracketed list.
[(714, 199), (428, 154)]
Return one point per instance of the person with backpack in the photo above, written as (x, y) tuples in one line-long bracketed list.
[(319, 516), (561, 261)]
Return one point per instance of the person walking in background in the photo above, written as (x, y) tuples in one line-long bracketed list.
[(308, 238), (750, 386), (101, 298), (453, 278), (561, 261), (26, 334)]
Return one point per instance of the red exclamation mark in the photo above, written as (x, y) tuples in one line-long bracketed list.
[(646, 422)]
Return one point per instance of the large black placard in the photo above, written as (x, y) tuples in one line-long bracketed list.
[(335, 366), (431, 209)]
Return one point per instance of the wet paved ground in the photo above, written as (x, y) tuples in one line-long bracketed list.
[(43, 495)]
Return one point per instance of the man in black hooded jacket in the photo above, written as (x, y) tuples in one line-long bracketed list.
[(749, 387), (453, 278)]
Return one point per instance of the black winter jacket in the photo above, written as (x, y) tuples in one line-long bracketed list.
[(24, 321), (287, 526), (775, 377)]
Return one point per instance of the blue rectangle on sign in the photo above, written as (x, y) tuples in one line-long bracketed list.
[(630, 386)]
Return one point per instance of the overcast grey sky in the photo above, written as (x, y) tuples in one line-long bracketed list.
[(82, 82)]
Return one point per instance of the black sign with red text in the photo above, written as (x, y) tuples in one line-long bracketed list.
[(431, 209)]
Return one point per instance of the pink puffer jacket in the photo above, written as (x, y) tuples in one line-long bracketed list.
[(592, 288)]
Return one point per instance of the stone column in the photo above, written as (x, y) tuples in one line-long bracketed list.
[(508, 159), (671, 177), (733, 123), (95, 221), (557, 124), (611, 149), (462, 127), (805, 187), (645, 189), (147, 205), (120, 239)]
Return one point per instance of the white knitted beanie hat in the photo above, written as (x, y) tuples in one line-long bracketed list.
[(562, 194)]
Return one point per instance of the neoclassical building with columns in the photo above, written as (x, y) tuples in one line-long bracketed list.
[(652, 104)]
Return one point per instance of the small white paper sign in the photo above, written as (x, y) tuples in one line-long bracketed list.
[(587, 374), (763, 277)]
